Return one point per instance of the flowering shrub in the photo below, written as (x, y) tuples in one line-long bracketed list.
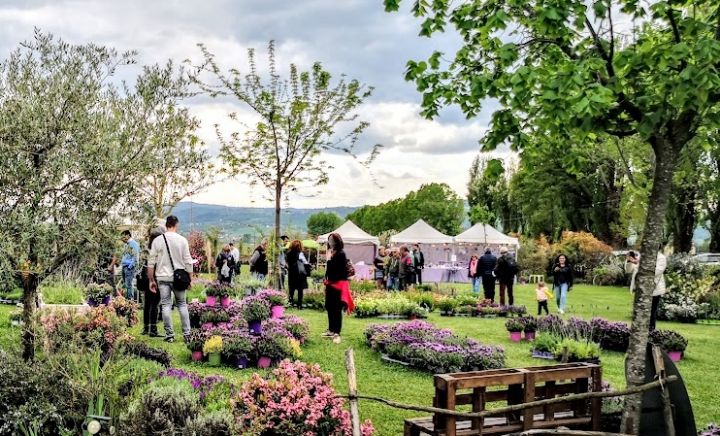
[(125, 308), (240, 345), (197, 245), (529, 324), (614, 336), (668, 340), (274, 298), (202, 384), (296, 326), (255, 308), (295, 399), (213, 345), (97, 327), (424, 346)]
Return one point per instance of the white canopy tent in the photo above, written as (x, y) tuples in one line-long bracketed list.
[(435, 245), (480, 236), (359, 245)]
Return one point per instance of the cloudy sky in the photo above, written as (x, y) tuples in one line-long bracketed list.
[(355, 37)]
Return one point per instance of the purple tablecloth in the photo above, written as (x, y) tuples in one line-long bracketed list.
[(445, 275), (362, 272)]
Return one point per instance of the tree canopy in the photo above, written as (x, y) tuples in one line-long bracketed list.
[(321, 223)]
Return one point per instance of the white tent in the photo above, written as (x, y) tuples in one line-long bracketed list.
[(480, 236), (359, 245), (421, 233)]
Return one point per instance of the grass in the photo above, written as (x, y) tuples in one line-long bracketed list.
[(375, 377)]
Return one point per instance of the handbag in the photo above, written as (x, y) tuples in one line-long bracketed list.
[(300, 265), (350, 268), (181, 278)]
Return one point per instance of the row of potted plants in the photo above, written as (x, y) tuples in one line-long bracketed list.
[(421, 345), (550, 346), (467, 305), (388, 306), (516, 326)]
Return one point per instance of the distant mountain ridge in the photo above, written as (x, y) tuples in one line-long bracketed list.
[(237, 221)]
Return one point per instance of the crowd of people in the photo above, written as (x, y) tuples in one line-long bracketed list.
[(396, 269)]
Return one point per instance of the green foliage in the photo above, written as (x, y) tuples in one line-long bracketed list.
[(321, 223), (62, 292), (163, 409), (218, 423), (436, 203), (545, 342)]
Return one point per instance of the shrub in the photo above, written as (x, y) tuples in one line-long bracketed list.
[(296, 398), (609, 274), (545, 342), (447, 305), (362, 287), (62, 292), (274, 298), (162, 409), (613, 336), (126, 309), (296, 326), (147, 352), (213, 344), (514, 325), (217, 423), (255, 308), (533, 255), (668, 340), (582, 248), (97, 292), (203, 386)]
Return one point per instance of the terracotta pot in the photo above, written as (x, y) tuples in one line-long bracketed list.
[(515, 336), (211, 301), (197, 356), (278, 311), (529, 336), (264, 362), (225, 302), (675, 356), (255, 327)]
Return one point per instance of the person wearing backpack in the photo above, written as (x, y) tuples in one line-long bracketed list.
[(225, 264), (505, 271), (259, 262)]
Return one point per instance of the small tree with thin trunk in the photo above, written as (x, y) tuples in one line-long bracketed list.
[(300, 119)]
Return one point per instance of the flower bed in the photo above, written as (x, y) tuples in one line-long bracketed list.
[(469, 305), (388, 305), (423, 346)]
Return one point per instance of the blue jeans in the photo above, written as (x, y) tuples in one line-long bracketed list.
[(392, 283), (476, 284), (128, 275), (166, 298), (561, 292), (258, 276)]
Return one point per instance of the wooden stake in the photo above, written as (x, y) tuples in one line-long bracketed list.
[(664, 395), (352, 385)]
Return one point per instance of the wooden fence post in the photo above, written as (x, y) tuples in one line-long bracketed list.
[(352, 385)]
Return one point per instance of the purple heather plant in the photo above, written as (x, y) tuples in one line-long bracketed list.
[(200, 383), (711, 430)]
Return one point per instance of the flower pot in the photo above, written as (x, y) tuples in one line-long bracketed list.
[(675, 356), (278, 311), (92, 302), (214, 359), (412, 317), (529, 336), (255, 327), (264, 362), (207, 326), (225, 302), (106, 300), (197, 356), (240, 362), (515, 336), (211, 301)]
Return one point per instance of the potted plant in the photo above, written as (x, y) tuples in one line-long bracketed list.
[(98, 293), (544, 346), (207, 320), (213, 291), (195, 310), (529, 327), (255, 310), (277, 301), (673, 343), (447, 306), (195, 342), (515, 327), (488, 311), (237, 349), (212, 348), (268, 350), (412, 311)]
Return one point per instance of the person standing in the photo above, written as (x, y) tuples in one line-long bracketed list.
[(419, 260), (474, 275), (505, 271), (235, 253), (632, 262), (151, 298), (393, 270), (541, 295), (406, 268), (379, 264), (168, 253), (659, 291), (225, 265), (486, 265), (129, 263), (562, 281), (337, 287), (298, 269), (282, 262), (259, 262)]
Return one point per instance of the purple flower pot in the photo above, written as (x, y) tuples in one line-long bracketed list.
[(197, 356), (264, 362), (91, 302), (106, 300), (278, 311), (675, 356), (211, 301), (529, 336), (207, 326), (225, 302), (515, 336), (241, 362), (255, 327)]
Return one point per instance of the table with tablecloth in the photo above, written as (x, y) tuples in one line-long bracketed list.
[(362, 272), (445, 275)]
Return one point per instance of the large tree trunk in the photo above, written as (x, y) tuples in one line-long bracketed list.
[(30, 285), (684, 217), (715, 230), (276, 240), (665, 161)]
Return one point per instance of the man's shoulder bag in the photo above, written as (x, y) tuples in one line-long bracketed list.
[(181, 278)]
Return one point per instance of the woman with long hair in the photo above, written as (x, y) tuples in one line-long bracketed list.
[(562, 274), (225, 265), (337, 287), (297, 266), (473, 274), (151, 299)]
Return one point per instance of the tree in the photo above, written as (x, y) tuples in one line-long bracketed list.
[(488, 193), (321, 223), (72, 145), (198, 250), (564, 71), (299, 121)]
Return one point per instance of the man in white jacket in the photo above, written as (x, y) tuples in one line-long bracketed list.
[(660, 265)]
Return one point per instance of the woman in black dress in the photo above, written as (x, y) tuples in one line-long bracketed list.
[(297, 267), (337, 288), (151, 299)]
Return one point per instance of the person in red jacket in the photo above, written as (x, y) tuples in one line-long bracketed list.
[(337, 287)]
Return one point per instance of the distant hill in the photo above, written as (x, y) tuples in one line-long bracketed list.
[(238, 221)]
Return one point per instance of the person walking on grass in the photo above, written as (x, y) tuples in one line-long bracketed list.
[(235, 253), (129, 262), (298, 271), (337, 287), (474, 274), (486, 266), (151, 298), (659, 291), (225, 265), (562, 281), (259, 262), (169, 253), (542, 293), (505, 270)]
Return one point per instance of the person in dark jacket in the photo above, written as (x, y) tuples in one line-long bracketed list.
[(225, 265), (379, 264), (419, 260), (336, 284), (486, 268), (259, 262), (562, 281), (407, 269), (151, 300), (297, 268), (505, 271)]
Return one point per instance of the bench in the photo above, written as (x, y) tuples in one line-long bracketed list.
[(512, 387)]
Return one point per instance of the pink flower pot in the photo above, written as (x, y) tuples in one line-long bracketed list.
[(264, 362), (675, 356), (211, 301), (529, 336), (225, 302), (197, 356), (278, 311), (515, 336)]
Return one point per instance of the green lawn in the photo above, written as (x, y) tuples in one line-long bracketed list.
[(375, 377)]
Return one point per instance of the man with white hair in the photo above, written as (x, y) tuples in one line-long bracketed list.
[(505, 272)]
